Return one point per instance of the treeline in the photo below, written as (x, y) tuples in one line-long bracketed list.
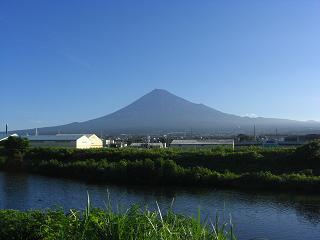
[(167, 172), (248, 159), (246, 168)]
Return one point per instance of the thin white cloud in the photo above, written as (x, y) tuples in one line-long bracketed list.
[(250, 115)]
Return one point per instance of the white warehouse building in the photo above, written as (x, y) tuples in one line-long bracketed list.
[(96, 142), (80, 141)]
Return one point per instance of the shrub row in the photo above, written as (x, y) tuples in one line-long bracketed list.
[(280, 160), (167, 172)]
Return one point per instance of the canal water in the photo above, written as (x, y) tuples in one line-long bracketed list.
[(274, 216)]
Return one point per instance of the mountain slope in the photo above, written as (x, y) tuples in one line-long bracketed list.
[(161, 111)]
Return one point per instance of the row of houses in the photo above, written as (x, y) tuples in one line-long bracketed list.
[(202, 143), (188, 144)]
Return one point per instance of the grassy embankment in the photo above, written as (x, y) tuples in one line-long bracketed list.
[(245, 168), (97, 224)]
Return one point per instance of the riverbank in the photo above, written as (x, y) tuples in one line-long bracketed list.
[(168, 173), (98, 224), (252, 213), (279, 169)]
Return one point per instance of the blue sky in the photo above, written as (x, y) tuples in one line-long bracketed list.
[(65, 61)]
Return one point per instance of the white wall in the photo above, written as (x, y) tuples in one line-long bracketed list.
[(96, 142), (83, 142)]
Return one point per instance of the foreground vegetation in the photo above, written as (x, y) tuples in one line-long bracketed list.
[(294, 169), (98, 224)]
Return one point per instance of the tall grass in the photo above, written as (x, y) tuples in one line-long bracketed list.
[(96, 224)]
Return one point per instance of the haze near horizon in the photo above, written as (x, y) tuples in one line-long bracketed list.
[(79, 60)]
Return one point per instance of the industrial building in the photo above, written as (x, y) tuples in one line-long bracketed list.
[(4, 137), (96, 142), (66, 141), (148, 145), (202, 143), (118, 143)]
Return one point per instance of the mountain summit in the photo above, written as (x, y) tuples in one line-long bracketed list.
[(161, 111)]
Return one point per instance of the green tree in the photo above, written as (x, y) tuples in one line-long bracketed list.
[(310, 153), (15, 149)]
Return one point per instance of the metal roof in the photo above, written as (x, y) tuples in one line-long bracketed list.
[(137, 144), (145, 144), (156, 144), (54, 137), (5, 136), (203, 142), (88, 135)]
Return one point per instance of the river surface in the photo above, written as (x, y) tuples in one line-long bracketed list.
[(254, 215)]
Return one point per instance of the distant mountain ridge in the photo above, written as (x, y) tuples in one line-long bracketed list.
[(161, 111)]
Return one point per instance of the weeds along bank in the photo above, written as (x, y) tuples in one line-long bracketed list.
[(98, 224), (242, 160), (245, 168), (167, 172)]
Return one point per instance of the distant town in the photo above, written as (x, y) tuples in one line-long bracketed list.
[(170, 140)]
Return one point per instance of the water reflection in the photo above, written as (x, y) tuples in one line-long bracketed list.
[(14, 190), (309, 212), (272, 216)]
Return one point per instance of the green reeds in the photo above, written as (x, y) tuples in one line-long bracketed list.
[(94, 224)]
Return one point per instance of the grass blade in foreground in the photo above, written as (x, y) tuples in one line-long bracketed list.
[(106, 224)]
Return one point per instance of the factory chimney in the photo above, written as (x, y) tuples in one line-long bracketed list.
[(6, 129)]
